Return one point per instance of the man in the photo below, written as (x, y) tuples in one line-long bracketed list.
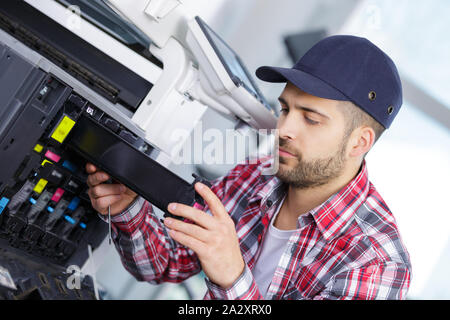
[(317, 229)]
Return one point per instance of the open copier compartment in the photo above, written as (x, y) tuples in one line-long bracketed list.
[(48, 131)]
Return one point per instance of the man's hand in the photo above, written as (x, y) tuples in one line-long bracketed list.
[(212, 238), (102, 195)]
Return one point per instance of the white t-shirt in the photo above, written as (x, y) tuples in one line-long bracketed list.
[(274, 243)]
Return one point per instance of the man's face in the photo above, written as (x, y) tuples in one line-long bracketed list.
[(312, 148)]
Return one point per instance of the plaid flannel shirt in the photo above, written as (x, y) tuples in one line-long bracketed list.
[(349, 247)]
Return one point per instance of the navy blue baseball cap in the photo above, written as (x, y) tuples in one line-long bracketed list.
[(346, 68)]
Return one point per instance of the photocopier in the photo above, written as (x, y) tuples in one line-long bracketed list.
[(105, 82)]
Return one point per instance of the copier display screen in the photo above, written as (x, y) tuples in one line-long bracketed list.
[(231, 61)]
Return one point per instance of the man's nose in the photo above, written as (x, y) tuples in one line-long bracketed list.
[(288, 129)]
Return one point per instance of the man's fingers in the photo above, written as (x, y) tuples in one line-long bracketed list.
[(90, 168), (196, 245), (199, 217), (102, 204), (97, 178), (214, 203), (102, 190), (187, 228)]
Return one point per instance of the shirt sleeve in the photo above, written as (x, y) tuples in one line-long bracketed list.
[(145, 248), (244, 288), (387, 281)]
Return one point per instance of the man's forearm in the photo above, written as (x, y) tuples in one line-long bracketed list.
[(145, 248)]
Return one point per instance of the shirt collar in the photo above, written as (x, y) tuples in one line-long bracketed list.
[(335, 214), (267, 186), (332, 216)]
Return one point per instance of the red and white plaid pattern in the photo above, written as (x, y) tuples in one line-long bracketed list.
[(347, 248)]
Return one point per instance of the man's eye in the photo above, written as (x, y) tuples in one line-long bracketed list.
[(310, 121), (284, 110)]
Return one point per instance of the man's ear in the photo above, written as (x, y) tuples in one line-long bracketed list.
[(361, 141)]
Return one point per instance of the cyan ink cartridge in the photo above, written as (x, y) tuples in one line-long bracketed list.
[(55, 214), (3, 203), (38, 205), (71, 221), (69, 166), (73, 205)]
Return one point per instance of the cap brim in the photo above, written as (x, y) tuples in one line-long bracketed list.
[(302, 80)]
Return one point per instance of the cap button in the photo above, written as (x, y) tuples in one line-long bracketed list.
[(390, 109)]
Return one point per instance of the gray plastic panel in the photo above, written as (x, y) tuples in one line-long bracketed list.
[(26, 109)]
